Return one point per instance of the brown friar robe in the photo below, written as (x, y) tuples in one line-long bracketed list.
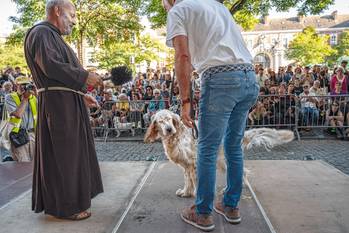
[(66, 172)]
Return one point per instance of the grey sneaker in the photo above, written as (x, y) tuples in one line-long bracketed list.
[(202, 222), (232, 215)]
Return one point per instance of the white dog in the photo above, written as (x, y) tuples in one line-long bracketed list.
[(180, 147)]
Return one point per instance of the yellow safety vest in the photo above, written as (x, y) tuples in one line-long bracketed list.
[(17, 121)]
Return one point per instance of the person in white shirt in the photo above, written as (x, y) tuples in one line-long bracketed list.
[(261, 77), (206, 38), (316, 89), (308, 106)]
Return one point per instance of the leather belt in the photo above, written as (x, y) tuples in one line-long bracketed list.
[(59, 89), (226, 68)]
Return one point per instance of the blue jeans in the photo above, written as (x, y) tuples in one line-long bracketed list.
[(307, 113), (4, 154), (225, 101)]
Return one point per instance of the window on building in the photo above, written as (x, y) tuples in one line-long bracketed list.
[(333, 39), (285, 42)]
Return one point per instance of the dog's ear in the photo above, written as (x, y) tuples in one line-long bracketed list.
[(152, 133), (176, 120)]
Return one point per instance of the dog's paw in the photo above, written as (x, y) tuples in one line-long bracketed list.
[(183, 193), (180, 192)]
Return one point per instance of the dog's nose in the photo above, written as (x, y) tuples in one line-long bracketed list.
[(169, 130)]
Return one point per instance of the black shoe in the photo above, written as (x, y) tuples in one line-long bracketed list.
[(8, 159)]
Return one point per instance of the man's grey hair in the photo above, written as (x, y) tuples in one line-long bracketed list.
[(7, 83), (51, 4)]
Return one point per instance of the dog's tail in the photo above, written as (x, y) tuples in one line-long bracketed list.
[(221, 164), (268, 138)]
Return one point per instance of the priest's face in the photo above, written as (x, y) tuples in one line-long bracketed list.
[(67, 19)]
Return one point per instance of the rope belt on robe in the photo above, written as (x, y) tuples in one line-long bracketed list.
[(60, 89)]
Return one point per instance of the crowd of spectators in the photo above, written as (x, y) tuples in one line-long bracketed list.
[(304, 97), (133, 104), (291, 96)]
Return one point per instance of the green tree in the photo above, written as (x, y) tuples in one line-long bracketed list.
[(343, 44), (342, 49), (12, 55), (308, 47), (245, 12), (114, 54), (98, 21)]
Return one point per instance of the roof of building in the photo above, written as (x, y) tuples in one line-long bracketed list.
[(294, 23)]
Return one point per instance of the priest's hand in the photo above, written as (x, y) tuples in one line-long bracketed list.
[(94, 80), (90, 101)]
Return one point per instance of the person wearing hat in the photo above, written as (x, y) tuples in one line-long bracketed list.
[(22, 110)]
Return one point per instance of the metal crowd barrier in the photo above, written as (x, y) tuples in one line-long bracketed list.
[(302, 113), (331, 114), (113, 118), (273, 110)]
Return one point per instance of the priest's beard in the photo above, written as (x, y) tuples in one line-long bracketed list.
[(67, 25)]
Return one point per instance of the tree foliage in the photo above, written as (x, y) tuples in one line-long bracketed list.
[(245, 12), (308, 47), (342, 48), (12, 55), (129, 53), (343, 44), (114, 54), (102, 21)]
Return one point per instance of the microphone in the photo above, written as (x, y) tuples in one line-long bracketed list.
[(120, 75)]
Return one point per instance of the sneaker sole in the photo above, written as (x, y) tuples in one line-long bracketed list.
[(207, 229), (232, 221)]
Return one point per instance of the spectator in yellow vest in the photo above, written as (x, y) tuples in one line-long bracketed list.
[(22, 109)]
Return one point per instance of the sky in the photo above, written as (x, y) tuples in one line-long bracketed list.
[(8, 8)]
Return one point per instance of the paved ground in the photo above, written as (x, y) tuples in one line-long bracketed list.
[(129, 151), (315, 195), (335, 152), (107, 208), (301, 196)]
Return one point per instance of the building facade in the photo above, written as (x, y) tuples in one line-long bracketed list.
[(269, 40)]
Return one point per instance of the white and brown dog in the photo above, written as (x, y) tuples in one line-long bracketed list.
[(180, 147)]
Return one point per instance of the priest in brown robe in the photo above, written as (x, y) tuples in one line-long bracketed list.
[(66, 172)]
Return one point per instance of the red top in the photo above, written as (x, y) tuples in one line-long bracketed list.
[(334, 80)]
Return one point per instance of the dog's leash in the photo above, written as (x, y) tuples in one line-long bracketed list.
[(194, 130)]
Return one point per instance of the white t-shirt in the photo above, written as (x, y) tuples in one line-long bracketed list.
[(213, 36), (305, 102)]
